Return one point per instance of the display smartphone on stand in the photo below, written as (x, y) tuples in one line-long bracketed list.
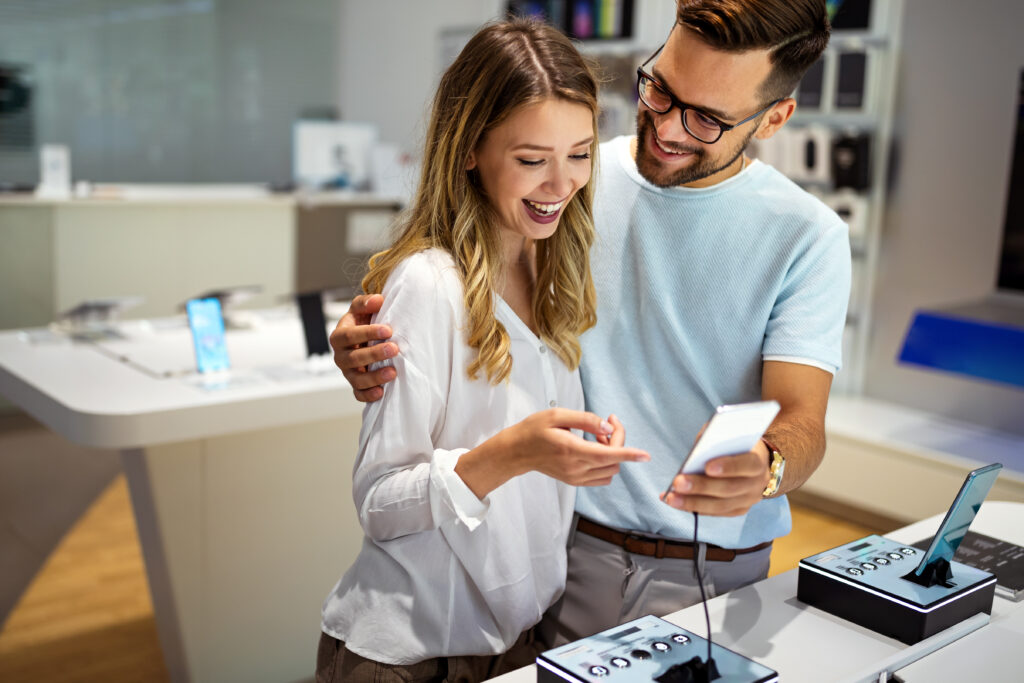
[(867, 580), (206, 321), (934, 567), (314, 324), (732, 429)]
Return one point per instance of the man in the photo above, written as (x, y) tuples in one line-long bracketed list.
[(718, 281)]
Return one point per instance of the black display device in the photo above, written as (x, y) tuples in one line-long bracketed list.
[(850, 161), (849, 15), (808, 95), (851, 77), (314, 324)]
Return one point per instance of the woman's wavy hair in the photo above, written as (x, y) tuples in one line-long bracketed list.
[(505, 66)]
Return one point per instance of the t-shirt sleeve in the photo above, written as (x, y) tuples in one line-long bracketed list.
[(809, 315)]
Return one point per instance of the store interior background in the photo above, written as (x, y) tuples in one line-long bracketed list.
[(206, 91)]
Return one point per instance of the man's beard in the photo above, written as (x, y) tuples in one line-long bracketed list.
[(654, 171)]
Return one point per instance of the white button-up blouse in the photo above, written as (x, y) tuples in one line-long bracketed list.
[(440, 572)]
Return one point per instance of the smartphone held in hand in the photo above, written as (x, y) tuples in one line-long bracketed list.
[(732, 429)]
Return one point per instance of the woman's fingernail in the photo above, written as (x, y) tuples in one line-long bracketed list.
[(606, 428)]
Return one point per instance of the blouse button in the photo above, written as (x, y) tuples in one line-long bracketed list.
[(553, 403), (543, 349)]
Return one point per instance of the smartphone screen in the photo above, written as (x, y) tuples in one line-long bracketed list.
[(960, 515), (732, 429), (314, 325), (207, 324)]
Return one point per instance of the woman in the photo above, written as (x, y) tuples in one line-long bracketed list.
[(466, 467)]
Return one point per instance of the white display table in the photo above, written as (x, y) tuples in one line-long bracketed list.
[(241, 487), (767, 623)]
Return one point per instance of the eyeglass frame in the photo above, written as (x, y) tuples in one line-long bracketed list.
[(676, 103)]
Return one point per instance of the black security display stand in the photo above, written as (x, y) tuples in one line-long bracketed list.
[(866, 581), (695, 670), (937, 573)]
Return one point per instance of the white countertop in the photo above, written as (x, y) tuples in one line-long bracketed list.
[(766, 622), (931, 436), (142, 389)]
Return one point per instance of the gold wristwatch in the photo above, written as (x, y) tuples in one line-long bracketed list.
[(775, 470)]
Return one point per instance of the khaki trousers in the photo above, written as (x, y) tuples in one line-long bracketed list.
[(607, 586)]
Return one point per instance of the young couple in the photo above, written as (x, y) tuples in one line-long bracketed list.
[(718, 281)]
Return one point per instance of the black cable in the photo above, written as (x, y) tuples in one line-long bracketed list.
[(700, 582)]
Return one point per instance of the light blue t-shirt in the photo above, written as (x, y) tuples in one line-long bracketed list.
[(695, 288)]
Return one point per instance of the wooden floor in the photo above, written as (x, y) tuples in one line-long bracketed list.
[(87, 615)]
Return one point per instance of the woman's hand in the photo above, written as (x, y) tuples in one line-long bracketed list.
[(543, 443)]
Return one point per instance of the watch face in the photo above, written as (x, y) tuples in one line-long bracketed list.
[(775, 473)]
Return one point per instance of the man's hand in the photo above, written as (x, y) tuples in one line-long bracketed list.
[(729, 486), (352, 353)]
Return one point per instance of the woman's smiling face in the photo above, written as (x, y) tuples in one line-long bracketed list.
[(533, 163)]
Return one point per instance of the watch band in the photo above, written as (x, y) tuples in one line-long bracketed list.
[(776, 468)]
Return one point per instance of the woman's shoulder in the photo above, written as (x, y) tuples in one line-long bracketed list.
[(424, 281), (430, 268)]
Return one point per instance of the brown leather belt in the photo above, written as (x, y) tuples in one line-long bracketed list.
[(639, 544)]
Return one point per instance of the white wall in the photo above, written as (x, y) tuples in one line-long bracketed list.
[(959, 73), (170, 91), (390, 60)]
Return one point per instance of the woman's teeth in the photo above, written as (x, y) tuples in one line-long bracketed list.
[(544, 209)]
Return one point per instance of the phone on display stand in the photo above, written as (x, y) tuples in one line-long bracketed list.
[(732, 429), (314, 324), (934, 566), (206, 321)]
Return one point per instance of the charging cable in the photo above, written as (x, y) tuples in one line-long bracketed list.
[(703, 598)]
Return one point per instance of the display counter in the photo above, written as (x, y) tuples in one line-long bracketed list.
[(167, 245), (240, 485), (766, 622)]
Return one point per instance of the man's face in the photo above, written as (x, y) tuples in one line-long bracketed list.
[(723, 84)]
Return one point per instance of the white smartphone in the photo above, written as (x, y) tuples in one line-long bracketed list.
[(732, 429)]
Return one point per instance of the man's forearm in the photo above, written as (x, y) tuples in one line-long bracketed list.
[(801, 441)]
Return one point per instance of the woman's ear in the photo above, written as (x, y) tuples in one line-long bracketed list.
[(471, 163)]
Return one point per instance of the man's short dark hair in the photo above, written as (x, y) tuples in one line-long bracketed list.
[(795, 32)]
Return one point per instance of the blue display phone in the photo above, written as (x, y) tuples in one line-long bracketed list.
[(206, 321), (954, 526)]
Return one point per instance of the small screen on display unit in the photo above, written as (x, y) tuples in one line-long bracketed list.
[(1011, 261), (624, 632), (860, 546)]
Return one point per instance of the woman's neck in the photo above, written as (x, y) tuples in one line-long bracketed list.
[(519, 277)]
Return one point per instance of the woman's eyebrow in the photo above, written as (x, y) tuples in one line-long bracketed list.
[(541, 148)]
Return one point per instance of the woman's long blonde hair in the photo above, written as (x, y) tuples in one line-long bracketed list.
[(503, 67)]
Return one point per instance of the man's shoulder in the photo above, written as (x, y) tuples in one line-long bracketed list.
[(787, 198)]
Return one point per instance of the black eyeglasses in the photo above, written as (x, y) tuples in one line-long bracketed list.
[(701, 125)]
